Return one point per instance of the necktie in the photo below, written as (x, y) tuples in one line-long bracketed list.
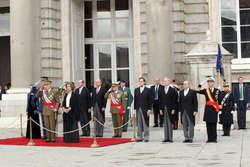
[(241, 92), (97, 90), (156, 92)]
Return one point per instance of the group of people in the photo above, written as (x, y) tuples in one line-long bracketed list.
[(167, 101)]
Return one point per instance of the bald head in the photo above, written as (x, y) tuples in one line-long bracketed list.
[(166, 81), (186, 84), (157, 81), (98, 83)]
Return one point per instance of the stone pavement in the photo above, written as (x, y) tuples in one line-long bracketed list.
[(231, 151)]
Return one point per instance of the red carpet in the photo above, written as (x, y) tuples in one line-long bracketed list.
[(84, 142)]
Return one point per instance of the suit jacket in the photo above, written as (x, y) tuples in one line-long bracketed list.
[(99, 98), (153, 90), (144, 101), (237, 94), (168, 100), (210, 114), (84, 99), (128, 96), (188, 103)]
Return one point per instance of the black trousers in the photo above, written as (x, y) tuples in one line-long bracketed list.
[(227, 129), (211, 131), (241, 114), (84, 119), (156, 108)]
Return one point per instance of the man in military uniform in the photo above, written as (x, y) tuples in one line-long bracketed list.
[(129, 99), (51, 100), (211, 108), (117, 108), (226, 109)]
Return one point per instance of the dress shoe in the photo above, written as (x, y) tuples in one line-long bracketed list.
[(119, 137), (138, 140), (155, 126), (191, 141), (114, 136), (146, 141), (161, 125), (53, 141), (164, 141), (223, 135), (186, 141), (124, 130), (47, 141)]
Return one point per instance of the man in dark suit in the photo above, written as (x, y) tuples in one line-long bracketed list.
[(167, 109), (156, 103), (84, 101), (211, 109), (241, 102), (98, 106), (188, 107), (142, 107)]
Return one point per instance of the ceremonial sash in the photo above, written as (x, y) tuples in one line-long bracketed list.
[(225, 98), (116, 104), (211, 101), (47, 102)]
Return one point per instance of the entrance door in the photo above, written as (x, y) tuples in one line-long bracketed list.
[(108, 41)]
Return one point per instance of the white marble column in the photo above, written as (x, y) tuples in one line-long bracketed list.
[(21, 30)]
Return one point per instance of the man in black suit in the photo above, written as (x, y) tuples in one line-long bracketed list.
[(167, 97), (142, 107), (84, 101), (98, 106), (156, 103), (241, 100), (188, 107), (211, 109)]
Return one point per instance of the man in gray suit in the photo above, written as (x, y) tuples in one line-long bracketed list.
[(188, 108)]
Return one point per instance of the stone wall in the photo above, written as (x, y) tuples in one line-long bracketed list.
[(51, 52), (190, 23)]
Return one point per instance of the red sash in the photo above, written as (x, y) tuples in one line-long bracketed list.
[(121, 109), (211, 101), (53, 105)]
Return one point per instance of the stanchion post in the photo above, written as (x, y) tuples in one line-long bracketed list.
[(31, 143), (134, 128), (95, 144), (21, 124)]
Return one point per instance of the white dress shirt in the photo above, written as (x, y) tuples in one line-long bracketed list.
[(186, 91), (142, 88), (68, 100), (166, 89)]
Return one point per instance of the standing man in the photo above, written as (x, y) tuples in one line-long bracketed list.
[(211, 109), (226, 109), (167, 97), (129, 99), (98, 106), (241, 102), (51, 101), (40, 105), (142, 107), (84, 100), (176, 114), (156, 103), (117, 108), (188, 107)]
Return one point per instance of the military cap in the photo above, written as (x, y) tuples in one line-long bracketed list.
[(47, 82), (210, 79), (225, 84), (44, 78)]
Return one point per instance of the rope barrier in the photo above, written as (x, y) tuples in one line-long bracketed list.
[(62, 133), (112, 127)]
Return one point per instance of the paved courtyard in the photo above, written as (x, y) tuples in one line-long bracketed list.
[(231, 151)]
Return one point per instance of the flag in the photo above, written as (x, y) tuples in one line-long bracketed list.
[(219, 62)]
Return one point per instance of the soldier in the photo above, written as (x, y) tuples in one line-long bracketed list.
[(117, 108), (226, 109), (211, 109), (51, 100), (129, 99)]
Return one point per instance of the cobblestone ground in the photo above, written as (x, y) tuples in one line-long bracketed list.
[(229, 151)]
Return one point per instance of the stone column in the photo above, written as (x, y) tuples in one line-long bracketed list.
[(21, 28)]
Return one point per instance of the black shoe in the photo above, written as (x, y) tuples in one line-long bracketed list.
[(146, 141), (186, 141), (124, 130), (53, 141), (223, 135), (191, 141), (114, 136), (155, 126), (161, 125), (47, 141), (99, 136), (164, 141), (138, 140), (119, 137)]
